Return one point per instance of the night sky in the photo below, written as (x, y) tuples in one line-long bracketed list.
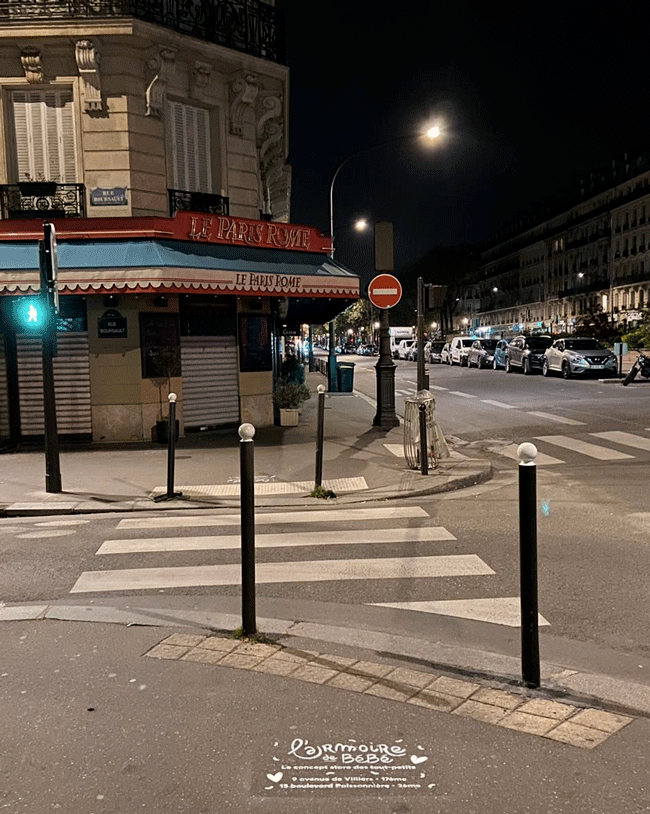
[(529, 103)]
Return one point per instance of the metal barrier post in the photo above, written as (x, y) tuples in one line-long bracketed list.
[(424, 450), (171, 443), (247, 503), (320, 433), (530, 669)]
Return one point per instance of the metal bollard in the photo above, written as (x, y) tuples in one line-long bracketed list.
[(424, 450), (530, 669), (171, 444), (320, 434), (247, 503)]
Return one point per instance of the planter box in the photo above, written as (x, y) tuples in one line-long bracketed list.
[(289, 416)]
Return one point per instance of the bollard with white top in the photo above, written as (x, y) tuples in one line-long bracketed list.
[(530, 669), (170, 494), (247, 505), (320, 435)]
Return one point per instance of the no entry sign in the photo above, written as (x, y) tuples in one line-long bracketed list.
[(385, 291)]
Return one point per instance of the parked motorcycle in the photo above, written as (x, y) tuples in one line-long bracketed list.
[(642, 366)]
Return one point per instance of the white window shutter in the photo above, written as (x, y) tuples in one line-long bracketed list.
[(190, 144)]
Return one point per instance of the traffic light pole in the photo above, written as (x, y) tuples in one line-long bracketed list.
[(48, 269)]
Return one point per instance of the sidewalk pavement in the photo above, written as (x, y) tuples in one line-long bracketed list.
[(360, 463)]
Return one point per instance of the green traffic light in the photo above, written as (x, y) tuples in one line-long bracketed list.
[(30, 315)]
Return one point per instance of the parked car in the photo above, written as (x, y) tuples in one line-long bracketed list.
[(499, 358), (445, 354), (578, 356), (481, 353), (527, 353), (433, 352), (459, 349), (403, 346)]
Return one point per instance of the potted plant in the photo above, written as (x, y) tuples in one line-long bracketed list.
[(38, 187), (167, 364), (289, 395)]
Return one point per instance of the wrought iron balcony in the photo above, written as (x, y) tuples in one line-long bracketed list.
[(42, 200), (251, 26), (180, 201)]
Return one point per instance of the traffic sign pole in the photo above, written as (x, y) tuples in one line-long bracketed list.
[(48, 269)]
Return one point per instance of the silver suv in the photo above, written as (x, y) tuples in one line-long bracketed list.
[(527, 353), (578, 356)]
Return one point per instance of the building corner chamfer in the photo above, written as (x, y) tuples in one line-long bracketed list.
[(162, 63), (30, 59), (88, 60)]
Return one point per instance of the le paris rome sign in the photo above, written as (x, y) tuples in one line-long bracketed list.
[(385, 291)]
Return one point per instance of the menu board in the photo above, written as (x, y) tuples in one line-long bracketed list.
[(160, 344), (254, 343)]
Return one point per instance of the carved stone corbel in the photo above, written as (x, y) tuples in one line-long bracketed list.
[(200, 79), (271, 151), (163, 65), (31, 62), (244, 92), (88, 59)]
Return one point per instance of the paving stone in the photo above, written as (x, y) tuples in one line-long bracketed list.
[(391, 690), (296, 656), (454, 686), (575, 735), (257, 649), (241, 662), (369, 669), (166, 651), (599, 719), (497, 698), (276, 667), (532, 724), (547, 709), (413, 678), (187, 639), (219, 643), (317, 675), (435, 700), (347, 681), (335, 662), (488, 713), (204, 656)]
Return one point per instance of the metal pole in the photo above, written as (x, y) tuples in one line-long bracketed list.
[(247, 503), (171, 452), (320, 433), (51, 434), (332, 380), (422, 383), (530, 669), (424, 447)]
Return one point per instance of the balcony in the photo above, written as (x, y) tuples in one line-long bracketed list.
[(42, 200), (206, 202), (250, 26)]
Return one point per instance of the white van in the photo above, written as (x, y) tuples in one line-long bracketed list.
[(459, 349)]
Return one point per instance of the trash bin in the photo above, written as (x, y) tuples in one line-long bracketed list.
[(436, 444), (346, 377)]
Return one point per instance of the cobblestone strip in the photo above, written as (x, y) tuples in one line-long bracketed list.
[(583, 727)]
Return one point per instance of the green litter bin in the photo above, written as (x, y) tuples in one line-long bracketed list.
[(346, 377)]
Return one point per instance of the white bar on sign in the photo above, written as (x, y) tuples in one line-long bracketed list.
[(379, 291)]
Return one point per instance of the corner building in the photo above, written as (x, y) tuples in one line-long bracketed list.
[(155, 137), (587, 249)]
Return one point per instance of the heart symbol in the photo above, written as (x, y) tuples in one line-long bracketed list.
[(415, 759), (275, 778)]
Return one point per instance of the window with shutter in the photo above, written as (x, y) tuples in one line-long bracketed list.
[(43, 122), (189, 129)]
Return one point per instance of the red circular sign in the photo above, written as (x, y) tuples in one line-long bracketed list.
[(385, 291)]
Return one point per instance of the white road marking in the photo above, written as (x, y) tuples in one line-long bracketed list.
[(437, 387), (499, 611), (137, 579), (316, 516), (424, 534), (626, 439), (500, 404), (464, 395), (273, 488), (542, 459), (395, 449), (560, 419), (584, 448)]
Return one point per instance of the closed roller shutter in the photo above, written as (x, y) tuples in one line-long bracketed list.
[(210, 381), (4, 392), (71, 385)]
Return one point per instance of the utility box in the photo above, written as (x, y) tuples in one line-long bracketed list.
[(346, 377)]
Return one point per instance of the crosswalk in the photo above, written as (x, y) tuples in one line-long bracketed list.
[(617, 446), (384, 556)]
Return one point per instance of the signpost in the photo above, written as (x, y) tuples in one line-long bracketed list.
[(49, 266)]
